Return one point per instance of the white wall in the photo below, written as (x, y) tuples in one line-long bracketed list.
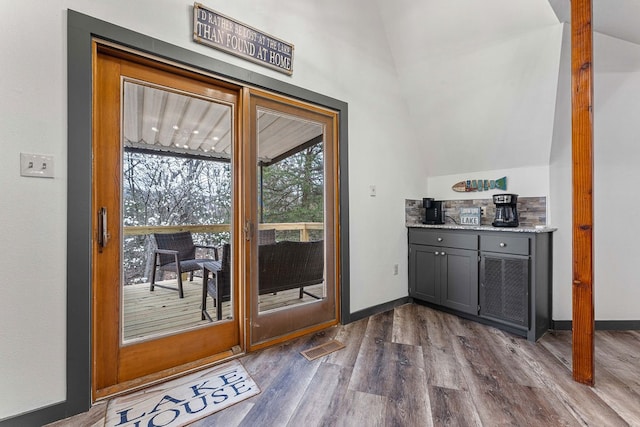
[(616, 154), (33, 210), (561, 189), (479, 79), (526, 182), (616, 175), (493, 106), (339, 51)]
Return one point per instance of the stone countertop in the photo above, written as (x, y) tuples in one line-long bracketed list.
[(538, 229)]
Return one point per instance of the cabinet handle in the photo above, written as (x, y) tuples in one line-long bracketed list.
[(437, 253), (503, 244), (439, 239), (442, 253)]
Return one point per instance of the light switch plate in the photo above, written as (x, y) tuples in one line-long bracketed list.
[(36, 165)]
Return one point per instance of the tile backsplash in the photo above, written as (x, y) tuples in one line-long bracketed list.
[(532, 211)]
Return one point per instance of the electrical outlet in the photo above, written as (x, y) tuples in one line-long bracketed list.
[(395, 269), (483, 210), (36, 165), (372, 190)]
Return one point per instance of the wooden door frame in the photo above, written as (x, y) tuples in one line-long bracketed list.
[(81, 31), (119, 366)]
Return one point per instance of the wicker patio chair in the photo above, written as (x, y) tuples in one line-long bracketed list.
[(289, 265), (176, 252), (282, 266), (222, 277), (267, 237)]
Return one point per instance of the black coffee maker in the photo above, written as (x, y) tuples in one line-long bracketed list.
[(433, 211), (506, 210)]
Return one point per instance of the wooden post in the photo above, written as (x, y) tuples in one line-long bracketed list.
[(582, 154), (304, 233)]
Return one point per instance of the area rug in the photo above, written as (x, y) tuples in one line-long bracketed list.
[(183, 400)]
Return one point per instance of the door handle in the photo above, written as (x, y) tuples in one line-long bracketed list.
[(103, 232)]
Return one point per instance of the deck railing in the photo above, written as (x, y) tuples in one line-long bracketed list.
[(302, 227)]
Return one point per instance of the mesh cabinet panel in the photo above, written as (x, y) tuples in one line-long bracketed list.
[(504, 293), (515, 289), (491, 304)]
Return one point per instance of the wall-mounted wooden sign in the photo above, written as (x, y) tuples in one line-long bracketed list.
[(480, 185), (221, 32)]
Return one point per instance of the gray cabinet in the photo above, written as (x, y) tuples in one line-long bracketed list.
[(424, 271), (444, 269), (501, 278)]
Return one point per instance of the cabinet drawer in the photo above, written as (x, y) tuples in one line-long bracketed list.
[(506, 244), (462, 240)]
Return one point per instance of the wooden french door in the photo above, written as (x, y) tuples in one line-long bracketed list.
[(269, 162), (294, 180), (124, 86)]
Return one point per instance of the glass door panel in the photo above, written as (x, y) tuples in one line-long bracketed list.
[(291, 211), (176, 207), (293, 275)]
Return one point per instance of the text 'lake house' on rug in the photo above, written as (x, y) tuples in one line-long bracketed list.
[(184, 400)]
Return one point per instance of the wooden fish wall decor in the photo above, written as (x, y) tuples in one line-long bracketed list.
[(480, 185)]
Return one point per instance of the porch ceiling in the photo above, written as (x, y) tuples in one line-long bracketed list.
[(166, 121)]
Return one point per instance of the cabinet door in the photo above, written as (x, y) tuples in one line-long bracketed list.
[(459, 279), (424, 273), (504, 289)]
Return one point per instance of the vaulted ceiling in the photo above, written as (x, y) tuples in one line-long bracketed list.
[(480, 79), (617, 18)]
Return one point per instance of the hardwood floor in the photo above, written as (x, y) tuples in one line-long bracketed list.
[(414, 366)]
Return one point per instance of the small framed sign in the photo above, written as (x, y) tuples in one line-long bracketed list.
[(469, 216), (216, 30)]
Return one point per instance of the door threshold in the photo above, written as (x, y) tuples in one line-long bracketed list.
[(120, 389)]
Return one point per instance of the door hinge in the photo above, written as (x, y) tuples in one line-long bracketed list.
[(248, 230)]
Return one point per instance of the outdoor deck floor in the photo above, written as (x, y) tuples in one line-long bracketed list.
[(159, 312)]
